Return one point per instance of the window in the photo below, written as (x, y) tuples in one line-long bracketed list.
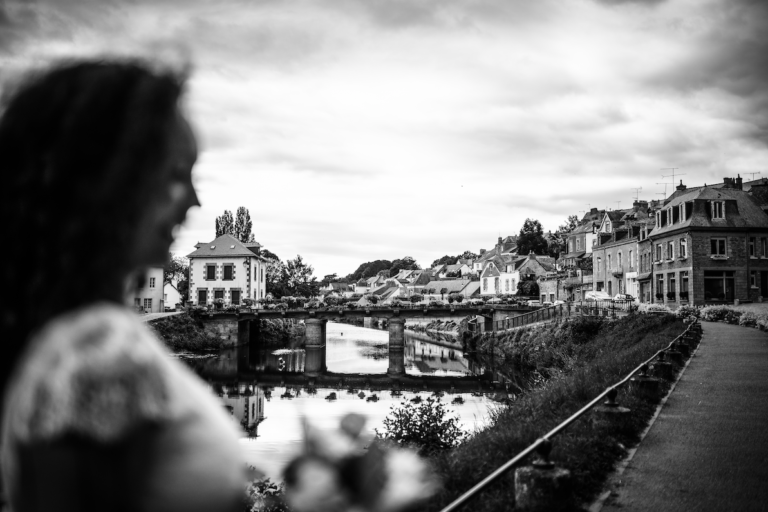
[(670, 250), (218, 294), (551, 297), (631, 263), (717, 246), (764, 247), (570, 245), (594, 242), (235, 296), (658, 252), (719, 285), (618, 260), (506, 285), (718, 209), (684, 284), (683, 248), (202, 297), (229, 272), (608, 263), (753, 279), (670, 216), (262, 275), (671, 288), (599, 262), (752, 253), (485, 284), (658, 218), (682, 212), (148, 304), (660, 286), (210, 272), (578, 244), (151, 282)]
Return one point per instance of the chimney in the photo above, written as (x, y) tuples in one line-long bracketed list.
[(738, 182), (499, 241), (641, 205), (728, 183), (681, 186), (482, 251)]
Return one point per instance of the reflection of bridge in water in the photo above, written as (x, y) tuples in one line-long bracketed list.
[(252, 363), (248, 327)]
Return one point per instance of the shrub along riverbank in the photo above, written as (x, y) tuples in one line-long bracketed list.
[(566, 365), (185, 333)]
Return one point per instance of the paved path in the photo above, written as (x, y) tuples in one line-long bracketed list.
[(708, 449), (154, 316)]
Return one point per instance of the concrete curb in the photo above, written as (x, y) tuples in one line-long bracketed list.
[(613, 480)]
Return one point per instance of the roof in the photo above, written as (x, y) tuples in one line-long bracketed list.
[(453, 268), (472, 288), (423, 278), (451, 285), (574, 254), (747, 213), (491, 270), (439, 268), (225, 246)]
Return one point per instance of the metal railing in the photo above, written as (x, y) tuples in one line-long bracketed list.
[(543, 444)]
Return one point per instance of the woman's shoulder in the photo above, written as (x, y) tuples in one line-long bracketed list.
[(98, 371)]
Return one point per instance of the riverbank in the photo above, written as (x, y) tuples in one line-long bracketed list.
[(185, 333), (566, 366)]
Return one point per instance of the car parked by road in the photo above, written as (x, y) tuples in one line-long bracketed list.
[(596, 295)]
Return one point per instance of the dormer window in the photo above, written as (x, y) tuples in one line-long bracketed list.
[(718, 209), (213, 247), (670, 217), (658, 218), (682, 212)]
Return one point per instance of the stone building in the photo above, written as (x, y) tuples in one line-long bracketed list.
[(709, 245), (226, 269)]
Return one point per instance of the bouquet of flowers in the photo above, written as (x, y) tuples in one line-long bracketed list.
[(345, 470)]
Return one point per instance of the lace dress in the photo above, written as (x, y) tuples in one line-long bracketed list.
[(98, 417)]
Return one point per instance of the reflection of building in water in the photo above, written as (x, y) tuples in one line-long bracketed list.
[(429, 358), (244, 401), (270, 360)]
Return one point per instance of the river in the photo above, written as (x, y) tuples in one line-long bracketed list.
[(276, 421)]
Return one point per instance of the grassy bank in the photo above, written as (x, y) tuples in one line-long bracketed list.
[(568, 365)]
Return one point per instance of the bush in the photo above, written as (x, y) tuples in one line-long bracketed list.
[(748, 319), (331, 300), (416, 298), (714, 313), (436, 304), (654, 308), (732, 317), (426, 427), (686, 311)]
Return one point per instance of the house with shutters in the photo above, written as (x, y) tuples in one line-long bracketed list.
[(504, 248), (227, 269), (709, 245)]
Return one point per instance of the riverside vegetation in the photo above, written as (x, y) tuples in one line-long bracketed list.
[(562, 367)]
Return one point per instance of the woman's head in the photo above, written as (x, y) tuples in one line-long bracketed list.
[(95, 160)]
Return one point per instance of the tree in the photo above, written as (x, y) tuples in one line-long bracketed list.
[(299, 278), (531, 238), (225, 223), (452, 260), (176, 271), (406, 263), (528, 287), (265, 253), (426, 426), (369, 269), (243, 225)]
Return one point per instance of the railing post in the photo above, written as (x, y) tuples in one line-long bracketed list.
[(542, 486)]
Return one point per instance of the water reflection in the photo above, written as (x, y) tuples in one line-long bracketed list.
[(272, 438)]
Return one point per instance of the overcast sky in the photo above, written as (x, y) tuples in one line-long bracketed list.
[(356, 130)]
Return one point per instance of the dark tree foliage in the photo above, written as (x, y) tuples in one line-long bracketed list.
[(266, 253), (243, 225), (528, 287), (225, 223), (369, 269), (406, 263), (531, 238), (452, 260)]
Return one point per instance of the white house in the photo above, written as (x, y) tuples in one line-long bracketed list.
[(226, 269), (149, 295), (171, 295)]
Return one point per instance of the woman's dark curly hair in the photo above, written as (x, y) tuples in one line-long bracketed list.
[(79, 148)]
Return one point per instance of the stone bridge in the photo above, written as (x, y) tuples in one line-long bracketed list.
[(244, 327)]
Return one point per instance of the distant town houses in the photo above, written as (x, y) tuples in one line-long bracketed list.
[(148, 296), (226, 269)]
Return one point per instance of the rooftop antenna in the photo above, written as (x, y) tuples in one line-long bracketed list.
[(673, 169), (665, 188), (637, 192), (753, 174)]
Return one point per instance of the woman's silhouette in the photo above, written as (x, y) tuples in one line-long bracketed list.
[(96, 162)]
